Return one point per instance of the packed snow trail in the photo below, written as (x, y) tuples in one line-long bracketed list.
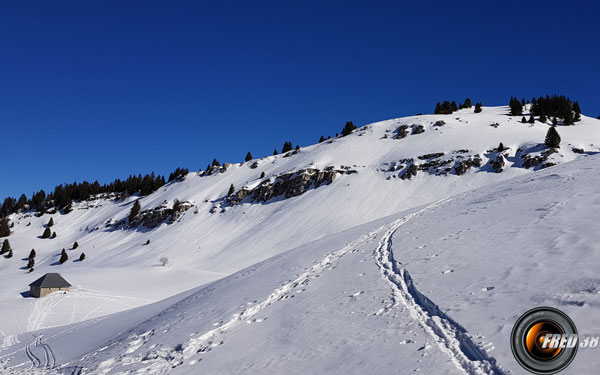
[(450, 336)]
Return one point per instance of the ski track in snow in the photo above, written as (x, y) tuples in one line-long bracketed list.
[(48, 361), (450, 336)]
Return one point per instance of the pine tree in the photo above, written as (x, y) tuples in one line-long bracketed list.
[(135, 209), (554, 121), (10, 254), (543, 118), (552, 138), (287, 146), (248, 156), (82, 257), (524, 120), (531, 119), (438, 108), (50, 223), (322, 139), (63, 257), (176, 205), (5, 247), (30, 263), (75, 245), (275, 152), (501, 147), (231, 190), (467, 103), (297, 148), (4, 228), (478, 108), (47, 233), (453, 106), (148, 242), (32, 253), (262, 174), (216, 163), (348, 128), (568, 117), (516, 108), (53, 235)]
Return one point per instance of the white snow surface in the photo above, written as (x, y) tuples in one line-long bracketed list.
[(365, 275)]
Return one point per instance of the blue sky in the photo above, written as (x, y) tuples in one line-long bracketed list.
[(100, 90)]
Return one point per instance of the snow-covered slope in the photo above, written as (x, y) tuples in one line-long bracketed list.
[(434, 289), (217, 236)]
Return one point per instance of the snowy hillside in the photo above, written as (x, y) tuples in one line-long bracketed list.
[(348, 183), (434, 289)]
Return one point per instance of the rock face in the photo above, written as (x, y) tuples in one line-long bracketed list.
[(462, 166), (417, 129), (402, 131), (410, 172), (155, 217), (498, 163), (289, 184), (530, 161)]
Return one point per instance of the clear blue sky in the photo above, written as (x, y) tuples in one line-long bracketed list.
[(102, 89)]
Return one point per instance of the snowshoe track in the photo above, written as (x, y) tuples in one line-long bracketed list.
[(450, 336)]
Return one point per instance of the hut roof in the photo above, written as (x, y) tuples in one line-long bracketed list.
[(51, 280)]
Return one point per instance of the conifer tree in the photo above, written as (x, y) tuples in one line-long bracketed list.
[(176, 205), (552, 138), (47, 233), (82, 257), (50, 223), (287, 146), (531, 119), (275, 152), (297, 147), (53, 235), (501, 147), (5, 247), (63, 257), (248, 156), (349, 128), (10, 254), (516, 108), (478, 108), (554, 121), (467, 103), (262, 174), (75, 245), (568, 117), (30, 263), (4, 228), (135, 209), (543, 118), (32, 253), (524, 120), (216, 163), (231, 190), (453, 106), (322, 139)]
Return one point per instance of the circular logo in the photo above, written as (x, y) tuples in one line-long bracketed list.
[(544, 340)]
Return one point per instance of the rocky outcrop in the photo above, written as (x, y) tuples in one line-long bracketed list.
[(434, 155), (401, 131), (462, 166), (532, 161), (498, 163), (288, 184), (154, 217), (410, 172), (417, 129)]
